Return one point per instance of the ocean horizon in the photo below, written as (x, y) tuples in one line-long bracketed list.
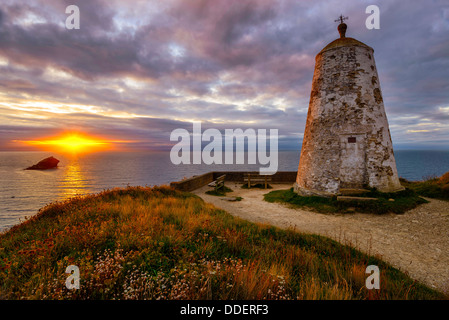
[(24, 192)]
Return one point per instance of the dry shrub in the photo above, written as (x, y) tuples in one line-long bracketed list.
[(444, 179)]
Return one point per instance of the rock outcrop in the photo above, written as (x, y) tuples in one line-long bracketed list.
[(47, 163)]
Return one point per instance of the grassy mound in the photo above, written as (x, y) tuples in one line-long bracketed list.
[(403, 201), (257, 186), (220, 192), (437, 188), (158, 243)]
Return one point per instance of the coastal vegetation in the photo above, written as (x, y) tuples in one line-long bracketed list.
[(159, 243), (432, 187)]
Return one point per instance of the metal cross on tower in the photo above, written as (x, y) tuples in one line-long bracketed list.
[(341, 18)]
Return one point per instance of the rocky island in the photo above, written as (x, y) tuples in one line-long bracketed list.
[(47, 163)]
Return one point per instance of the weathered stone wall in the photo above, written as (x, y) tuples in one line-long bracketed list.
[(347, 141)]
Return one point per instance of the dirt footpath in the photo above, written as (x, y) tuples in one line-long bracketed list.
[(416, 242)]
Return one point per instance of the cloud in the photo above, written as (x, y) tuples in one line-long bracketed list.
[(139, 65)]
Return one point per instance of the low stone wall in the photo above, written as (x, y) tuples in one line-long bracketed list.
[(196, 182)]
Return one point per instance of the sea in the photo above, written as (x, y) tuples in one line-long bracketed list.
[(24, 192)]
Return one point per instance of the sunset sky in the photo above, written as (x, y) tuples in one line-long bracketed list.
[(136, 70)]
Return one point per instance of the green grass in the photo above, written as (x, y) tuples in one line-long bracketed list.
[(403, 201), (257, 186), (158, 243), (220, 192), (437, 188)]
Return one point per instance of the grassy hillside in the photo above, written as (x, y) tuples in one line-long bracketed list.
[(157, 243), (437, 188)]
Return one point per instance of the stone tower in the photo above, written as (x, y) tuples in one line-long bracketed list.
[(347, 142)]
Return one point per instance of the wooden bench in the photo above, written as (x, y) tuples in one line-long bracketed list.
[(251, 178), (218, 183)]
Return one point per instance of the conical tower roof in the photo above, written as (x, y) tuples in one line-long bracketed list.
[(344, 42)]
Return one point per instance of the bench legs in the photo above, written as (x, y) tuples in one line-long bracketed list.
[(265, 181)]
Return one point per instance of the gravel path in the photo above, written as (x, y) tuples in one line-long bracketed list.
[(416, 242)]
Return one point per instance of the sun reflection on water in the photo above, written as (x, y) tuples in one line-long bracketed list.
[(74, 180)]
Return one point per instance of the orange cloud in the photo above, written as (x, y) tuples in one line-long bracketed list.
[(74, 143)]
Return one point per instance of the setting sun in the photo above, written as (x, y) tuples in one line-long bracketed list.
[(73, 142)]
